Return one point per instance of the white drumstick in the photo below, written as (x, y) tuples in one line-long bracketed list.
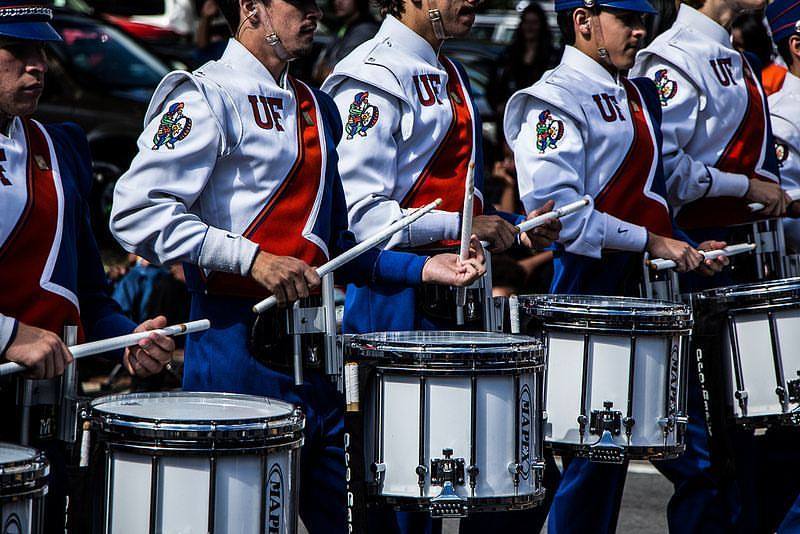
[(466, 232), (794, 194), (119, 342), (660, 264), (557, 213), (359, 249)]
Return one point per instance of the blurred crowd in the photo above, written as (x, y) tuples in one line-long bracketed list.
[(145, 290)]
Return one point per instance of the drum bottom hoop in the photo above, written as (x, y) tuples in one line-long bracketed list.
[(791, 420), (631, 453), (25, 493), (474, 504)]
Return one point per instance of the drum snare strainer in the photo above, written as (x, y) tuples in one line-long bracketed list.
[(616, 374), (199, 462)]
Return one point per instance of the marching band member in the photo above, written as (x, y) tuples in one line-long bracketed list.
[(410, 133), (236, 176), (585, 128), (718, 156), (784, 106), (51, 269)]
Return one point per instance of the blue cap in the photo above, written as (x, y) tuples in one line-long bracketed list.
[(640, 6), (26, 20), (784, 18)]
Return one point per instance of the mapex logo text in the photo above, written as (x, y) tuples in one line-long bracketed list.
[(525, 432), (275, 498)]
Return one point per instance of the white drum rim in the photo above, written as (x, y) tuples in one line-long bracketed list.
[(25, 476), (447, 349), (768, 292), (607, 313), (258, 432)]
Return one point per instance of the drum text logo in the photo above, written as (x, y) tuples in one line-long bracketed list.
[(275, 497), (12, 525), (674, 378), (525, 431)]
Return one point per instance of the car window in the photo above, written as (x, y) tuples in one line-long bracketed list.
[(104, 56)]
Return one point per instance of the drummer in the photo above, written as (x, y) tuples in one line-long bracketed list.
[(411, 133), (784, 106), (236, 177), (585, 128), (51, 269)]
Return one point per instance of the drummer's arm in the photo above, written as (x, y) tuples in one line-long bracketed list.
[(41, 351), (558, 173), (368, 167)]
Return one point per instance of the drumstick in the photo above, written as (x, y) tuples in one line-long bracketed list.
[(466, 232), (557, 213), (119, 342), (661, 264), (359, 249), (794, 194)]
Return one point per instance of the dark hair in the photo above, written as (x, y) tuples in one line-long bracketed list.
[(567, 27), (545, 38), (697, 4), (230, 10), (783, 50), (754, 36), (390, 7)]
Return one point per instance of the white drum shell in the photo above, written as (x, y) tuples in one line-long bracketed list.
[(656, 385), (23, 487), (447, 422)]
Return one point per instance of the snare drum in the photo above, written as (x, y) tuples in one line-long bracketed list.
[(756, 330), (199, 462), (23, 486), (452, 420), (616, 374)]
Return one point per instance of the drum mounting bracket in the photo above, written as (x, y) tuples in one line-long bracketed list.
[(607, 419), (794, 389), (448, 472)]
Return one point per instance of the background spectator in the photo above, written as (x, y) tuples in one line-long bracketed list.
[(749, 34), (356, 26)]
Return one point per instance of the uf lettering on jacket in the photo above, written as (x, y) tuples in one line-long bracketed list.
[(428, 84), (3, 179), (271, 118), (608, 106), (723, 70)]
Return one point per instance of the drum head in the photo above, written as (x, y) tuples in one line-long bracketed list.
[(591, 312), (786, 291), (22, 470), (433, 348), (196, 416)]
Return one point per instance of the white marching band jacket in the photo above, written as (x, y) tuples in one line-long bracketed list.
[(715, 122), (784, 107), (396, 100), (572, 133), (217, 146)]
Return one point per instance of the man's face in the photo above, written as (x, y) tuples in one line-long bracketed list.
[(623, 35), (295, 23), (22, 69), (458, 16)]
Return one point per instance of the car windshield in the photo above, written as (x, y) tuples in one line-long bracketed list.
[(105, 57)]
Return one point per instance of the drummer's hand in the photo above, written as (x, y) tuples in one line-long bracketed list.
[(41, 351), (712, 267), (151, 354), (450, 270), (771, 195), (543, 236), (687, 258), (500, 233), (287, 278)]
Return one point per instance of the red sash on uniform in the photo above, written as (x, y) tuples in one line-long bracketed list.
[(445, 175), (278, 228), (623, 196), (23, 256), (741, 157)]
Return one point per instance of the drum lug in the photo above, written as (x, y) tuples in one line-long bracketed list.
[(741, 396), (582, 420), (515, 469), (605, 451), (448, 504), (378, 469), (421, 472)]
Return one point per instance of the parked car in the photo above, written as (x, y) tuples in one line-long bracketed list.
[(103, 80)]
